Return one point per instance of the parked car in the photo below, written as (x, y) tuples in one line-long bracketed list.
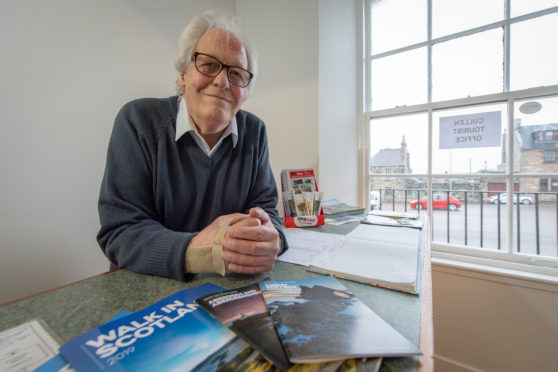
[(374, 200), (439, 201), (523, 199)]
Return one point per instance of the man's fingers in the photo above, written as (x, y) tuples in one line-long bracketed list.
[(248, 264), (259, 213), (249, 269), (247, 222), (231, 219), (258, 233), (246, 259)]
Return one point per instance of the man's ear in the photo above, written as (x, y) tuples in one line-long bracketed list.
[(181, 79)]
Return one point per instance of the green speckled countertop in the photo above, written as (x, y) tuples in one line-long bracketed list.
[(75, 309)]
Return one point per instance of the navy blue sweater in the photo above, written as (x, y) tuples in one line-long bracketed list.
[(158, 193)]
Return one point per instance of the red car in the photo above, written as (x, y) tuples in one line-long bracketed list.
[(439, 201)]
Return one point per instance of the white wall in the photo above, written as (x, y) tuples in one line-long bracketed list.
[(338, 103), (486, 321), (66, 68), (285, 35), (306, 90)]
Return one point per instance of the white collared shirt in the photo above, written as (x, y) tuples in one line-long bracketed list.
[(185, 124)]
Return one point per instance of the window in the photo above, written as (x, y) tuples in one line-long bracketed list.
[(543, 182), (546, 136), (461, 99), (550, 156)]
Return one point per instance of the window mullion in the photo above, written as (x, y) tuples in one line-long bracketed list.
[(510, 175), (507, 34)]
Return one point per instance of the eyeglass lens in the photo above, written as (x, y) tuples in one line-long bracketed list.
[(210, 66)]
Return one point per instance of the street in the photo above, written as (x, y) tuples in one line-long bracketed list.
[(470, 234)]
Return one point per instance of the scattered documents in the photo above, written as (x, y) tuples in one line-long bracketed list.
[(26, 346), (393, 219)]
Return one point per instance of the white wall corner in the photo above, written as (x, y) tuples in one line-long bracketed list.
[(338, 99)]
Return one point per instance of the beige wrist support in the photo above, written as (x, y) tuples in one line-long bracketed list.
[(207, 258)]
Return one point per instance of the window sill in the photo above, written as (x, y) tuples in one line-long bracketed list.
[(491, 270)]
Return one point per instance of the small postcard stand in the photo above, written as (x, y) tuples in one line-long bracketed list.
[(301, 199)]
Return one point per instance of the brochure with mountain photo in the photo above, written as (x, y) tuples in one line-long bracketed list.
[(319, 320), (244, 311), (172, 334)]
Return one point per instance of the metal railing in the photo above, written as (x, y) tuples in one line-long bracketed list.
[(483, 217)]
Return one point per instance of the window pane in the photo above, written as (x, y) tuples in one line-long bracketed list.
[(468, 66), (533, 55), (396, 194), (520, 7), (474, 221), (392, 28), (535, 217), (469, 140), (451, 16), (399, 80), (398, 144), (536, 131)]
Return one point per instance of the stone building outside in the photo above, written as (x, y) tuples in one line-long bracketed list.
[(535, 151)]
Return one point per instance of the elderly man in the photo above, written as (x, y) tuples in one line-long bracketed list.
[(187, 187)]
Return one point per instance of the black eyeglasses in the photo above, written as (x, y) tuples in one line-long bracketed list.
[(211, 66)]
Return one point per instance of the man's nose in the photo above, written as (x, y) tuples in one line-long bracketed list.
[(222, 80)]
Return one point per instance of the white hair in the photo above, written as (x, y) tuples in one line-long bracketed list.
[(198, 26)]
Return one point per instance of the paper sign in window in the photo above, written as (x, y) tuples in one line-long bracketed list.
[(472, 130)]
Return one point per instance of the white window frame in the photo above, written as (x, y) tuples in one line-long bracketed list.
[(500, 260)]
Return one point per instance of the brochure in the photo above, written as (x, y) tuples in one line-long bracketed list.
[(172, 334), (244, 311), (319, 320)]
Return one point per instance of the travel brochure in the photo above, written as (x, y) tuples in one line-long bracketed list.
[(319, 320), (299, 325), (172, 334), (244, 311)]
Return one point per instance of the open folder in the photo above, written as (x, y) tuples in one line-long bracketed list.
[(384, 256)]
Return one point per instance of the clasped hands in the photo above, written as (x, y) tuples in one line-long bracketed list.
[(250, 244)]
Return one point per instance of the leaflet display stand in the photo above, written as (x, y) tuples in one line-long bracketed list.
[(301, 198)]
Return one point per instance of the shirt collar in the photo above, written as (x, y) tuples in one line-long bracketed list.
[(185, 124)]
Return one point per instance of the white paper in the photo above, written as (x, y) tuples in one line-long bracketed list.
[(372, 251), (304, 245), (471, 130), (343, 220), (25, 347)]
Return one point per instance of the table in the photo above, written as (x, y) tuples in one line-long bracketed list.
[(78, 307)]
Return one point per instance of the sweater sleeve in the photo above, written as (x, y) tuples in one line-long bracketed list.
[(131, 234)]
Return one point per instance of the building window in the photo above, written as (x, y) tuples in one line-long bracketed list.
[(543, 184), (546, 136), (550, 156), (468, 123)]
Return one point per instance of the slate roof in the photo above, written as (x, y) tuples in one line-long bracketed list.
[(526, 134), (387, 158)]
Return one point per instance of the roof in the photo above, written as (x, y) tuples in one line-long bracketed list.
[(528, 139), (387, 158)]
